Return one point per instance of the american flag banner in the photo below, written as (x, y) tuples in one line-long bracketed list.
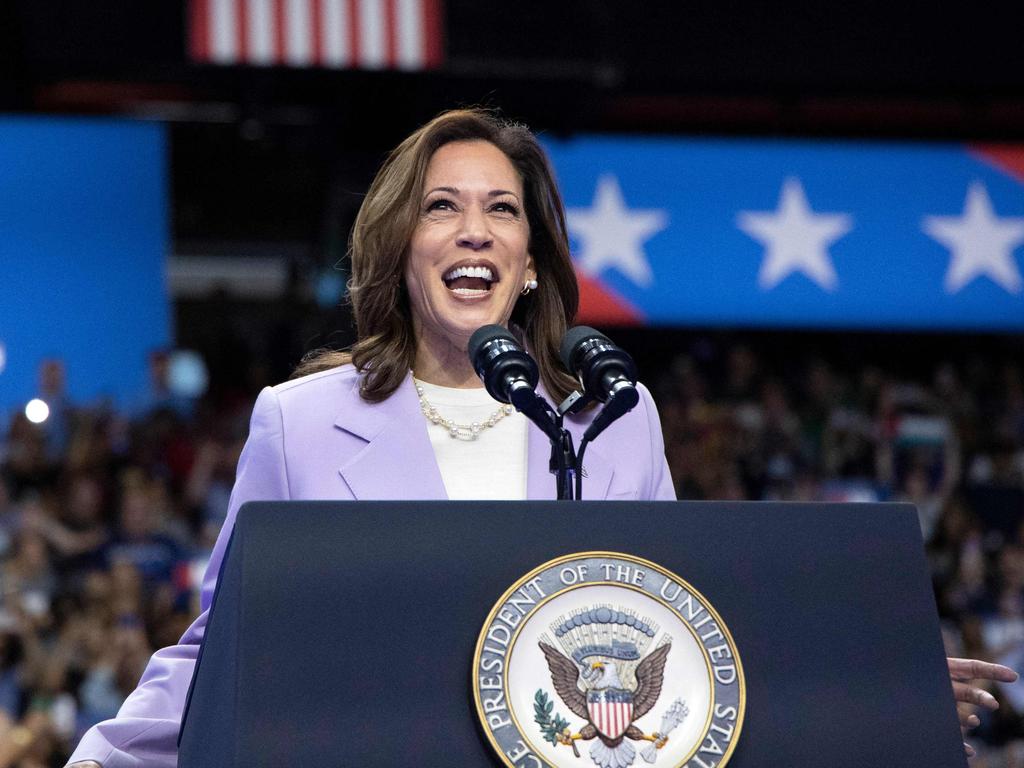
[(335, 34)]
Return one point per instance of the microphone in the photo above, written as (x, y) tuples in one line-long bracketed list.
[(607, 373), (605, 370), (509, 374)]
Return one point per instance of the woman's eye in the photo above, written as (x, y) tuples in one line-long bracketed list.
[(505, 208), (440, 205)]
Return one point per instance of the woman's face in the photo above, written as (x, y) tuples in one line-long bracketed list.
[(468, 259)]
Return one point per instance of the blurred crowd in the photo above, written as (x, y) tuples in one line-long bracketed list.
[(107, 515), (106, 521)]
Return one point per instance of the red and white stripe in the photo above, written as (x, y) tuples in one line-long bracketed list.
[(338, 34), (611, 718)]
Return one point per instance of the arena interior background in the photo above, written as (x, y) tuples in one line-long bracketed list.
[(805, 221)]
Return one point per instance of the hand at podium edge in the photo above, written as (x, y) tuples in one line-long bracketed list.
[(963, 672)]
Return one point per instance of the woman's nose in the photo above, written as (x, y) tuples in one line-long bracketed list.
[(475, 232)]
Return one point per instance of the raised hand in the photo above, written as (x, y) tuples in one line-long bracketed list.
[(964, 673)]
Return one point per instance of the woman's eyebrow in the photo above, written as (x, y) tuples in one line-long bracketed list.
[(455, 191)]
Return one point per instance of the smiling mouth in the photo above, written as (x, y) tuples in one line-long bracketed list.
[(469, 280)]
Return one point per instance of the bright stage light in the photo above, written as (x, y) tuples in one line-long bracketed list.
[(187, 375), (3, 357), (37, 411)]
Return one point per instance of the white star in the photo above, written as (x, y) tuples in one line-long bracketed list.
[(980, 243), (796, 238), (612, 234)]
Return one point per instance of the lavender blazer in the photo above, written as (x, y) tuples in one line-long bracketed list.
[(315, 438)]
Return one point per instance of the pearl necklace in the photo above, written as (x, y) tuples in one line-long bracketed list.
[(460, 431)]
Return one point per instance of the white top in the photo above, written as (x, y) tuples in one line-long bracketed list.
[(493, 466)]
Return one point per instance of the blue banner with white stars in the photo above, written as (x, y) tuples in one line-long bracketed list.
[(796, 234)]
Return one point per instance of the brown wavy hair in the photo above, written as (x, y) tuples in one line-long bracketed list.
[(378, 245)]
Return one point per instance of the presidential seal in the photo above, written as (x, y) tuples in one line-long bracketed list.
[(605, 659)]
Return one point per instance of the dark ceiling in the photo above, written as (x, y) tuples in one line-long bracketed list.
[(580, 63), (281, 154)]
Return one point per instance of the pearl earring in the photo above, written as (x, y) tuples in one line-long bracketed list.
[(530, 286)]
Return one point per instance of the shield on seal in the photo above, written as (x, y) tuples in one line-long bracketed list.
[(610, 710)]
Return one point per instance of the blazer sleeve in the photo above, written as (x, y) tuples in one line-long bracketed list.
[(661, 487), (145, 731)]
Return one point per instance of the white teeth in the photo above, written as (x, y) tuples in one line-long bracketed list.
[(481, 272), (469, 291)]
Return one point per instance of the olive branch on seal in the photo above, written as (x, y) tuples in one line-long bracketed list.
[(549, 726)]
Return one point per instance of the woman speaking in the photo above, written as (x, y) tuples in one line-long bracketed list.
[(462, 227)]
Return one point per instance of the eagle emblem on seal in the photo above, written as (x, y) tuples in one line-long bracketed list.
[(604, 675)]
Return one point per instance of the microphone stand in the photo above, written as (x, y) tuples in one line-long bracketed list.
[(563, 464)]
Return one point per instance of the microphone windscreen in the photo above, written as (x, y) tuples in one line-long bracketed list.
[(572, 339), (485, 334)]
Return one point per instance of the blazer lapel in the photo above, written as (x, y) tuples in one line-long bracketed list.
[(398, 460), (597, 469)]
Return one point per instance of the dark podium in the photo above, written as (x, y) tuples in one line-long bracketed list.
[(342, 634)]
